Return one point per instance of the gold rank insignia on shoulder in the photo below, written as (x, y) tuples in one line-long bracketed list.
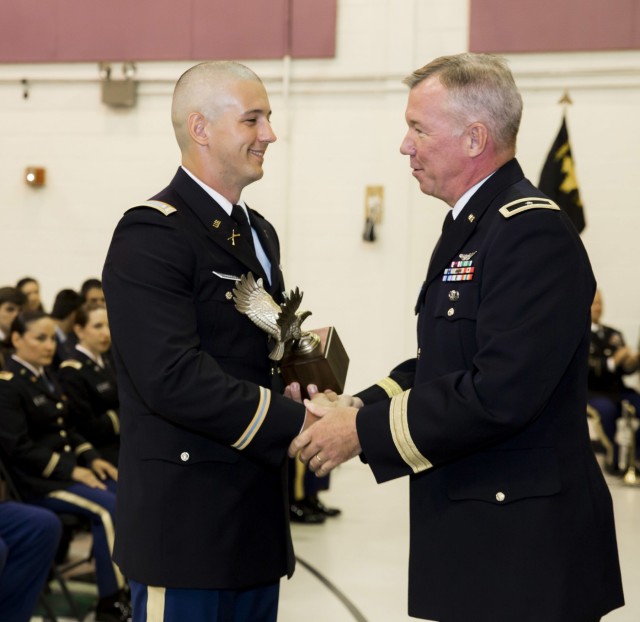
[(5, 375), (71, 363), (161, 206), (524, 205)]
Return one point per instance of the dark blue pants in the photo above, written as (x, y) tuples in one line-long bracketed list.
[(158, 604), (99, 507), (29, 539)]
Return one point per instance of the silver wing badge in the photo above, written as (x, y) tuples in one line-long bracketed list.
[(281, 322)]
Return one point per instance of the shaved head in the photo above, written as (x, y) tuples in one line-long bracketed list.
[(204, 89)]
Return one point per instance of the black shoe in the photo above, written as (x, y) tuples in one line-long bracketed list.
[(302, 514), (315, 505), (116, 608)]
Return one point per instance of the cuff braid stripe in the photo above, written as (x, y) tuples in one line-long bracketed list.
[(398, 414), (51, 465), (390, 387), (257, 421)]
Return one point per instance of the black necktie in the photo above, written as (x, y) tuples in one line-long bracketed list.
[(240, 216)]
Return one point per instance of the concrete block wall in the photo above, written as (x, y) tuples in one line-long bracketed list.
[(340, 123)]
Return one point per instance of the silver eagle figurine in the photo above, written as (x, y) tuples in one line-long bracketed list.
[(282, 322)]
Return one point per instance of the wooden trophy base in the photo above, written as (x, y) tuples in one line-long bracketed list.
[(325, 366)]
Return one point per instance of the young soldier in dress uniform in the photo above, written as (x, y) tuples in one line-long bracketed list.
[(203, 529), (51, 464), (511, 518)]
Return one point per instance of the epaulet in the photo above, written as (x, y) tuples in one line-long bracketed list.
[(5, 375), (523, 205), (71, 363), (161, 206)]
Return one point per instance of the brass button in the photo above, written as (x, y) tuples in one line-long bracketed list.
[(59, 420), (500, 496), (184, 456), (454, 295), (471, 217), (67, 447), (59, 405), (63, 433), (451, 311), (228, 295)]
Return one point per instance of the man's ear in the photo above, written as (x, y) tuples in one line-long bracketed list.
[(477, 136), (198, 129)]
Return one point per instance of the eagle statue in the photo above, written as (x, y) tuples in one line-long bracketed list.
[(282, 322)]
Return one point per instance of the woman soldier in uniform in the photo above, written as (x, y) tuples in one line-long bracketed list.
[(89, 383), (52, 465)]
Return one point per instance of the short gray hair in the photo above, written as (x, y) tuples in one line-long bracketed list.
[(481, 88)]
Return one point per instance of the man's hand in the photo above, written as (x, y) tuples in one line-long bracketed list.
[(332, 440)]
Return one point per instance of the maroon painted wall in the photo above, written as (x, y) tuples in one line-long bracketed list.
[(148, 30), (554, 25)]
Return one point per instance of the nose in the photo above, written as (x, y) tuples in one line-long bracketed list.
[(406, 146), (267, 135)]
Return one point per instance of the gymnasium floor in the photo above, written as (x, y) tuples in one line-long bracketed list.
[(353, 568)]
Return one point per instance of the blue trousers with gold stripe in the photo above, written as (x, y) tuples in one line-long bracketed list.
[(99, 507), (158, 604)]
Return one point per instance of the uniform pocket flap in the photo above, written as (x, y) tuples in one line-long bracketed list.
[(503, 477), (180, 446)]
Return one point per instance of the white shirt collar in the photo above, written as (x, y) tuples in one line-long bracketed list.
[(464, 199), (223, 202), (96, 359), (36, 371)]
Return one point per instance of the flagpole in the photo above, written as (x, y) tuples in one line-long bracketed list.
[(566, 99)]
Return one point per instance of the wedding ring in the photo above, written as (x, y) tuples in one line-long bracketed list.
[(318, 458)]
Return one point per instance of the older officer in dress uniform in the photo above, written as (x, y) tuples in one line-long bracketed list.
[(511, 519), (203, 531)]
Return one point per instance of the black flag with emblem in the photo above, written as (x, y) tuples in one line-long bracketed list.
[(558, 178)]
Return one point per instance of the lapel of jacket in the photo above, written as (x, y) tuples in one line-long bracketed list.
[(455, 236), (220, 227)]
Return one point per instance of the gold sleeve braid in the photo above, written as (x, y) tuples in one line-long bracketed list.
[(398, 420), (51, 465), (256, 422), (389, 386)]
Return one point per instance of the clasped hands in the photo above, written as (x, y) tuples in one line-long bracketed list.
[(329, 436)]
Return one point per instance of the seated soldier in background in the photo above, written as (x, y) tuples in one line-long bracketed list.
[(610, 359), (65, 306), (89, 382), (11, 303), (91, 291), (31, 289)]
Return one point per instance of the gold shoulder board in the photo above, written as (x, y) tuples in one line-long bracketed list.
[(5, 375), (161, 206), (523, 205), (71, 363)]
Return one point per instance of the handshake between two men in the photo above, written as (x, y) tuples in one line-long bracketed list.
[(329, 436)]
